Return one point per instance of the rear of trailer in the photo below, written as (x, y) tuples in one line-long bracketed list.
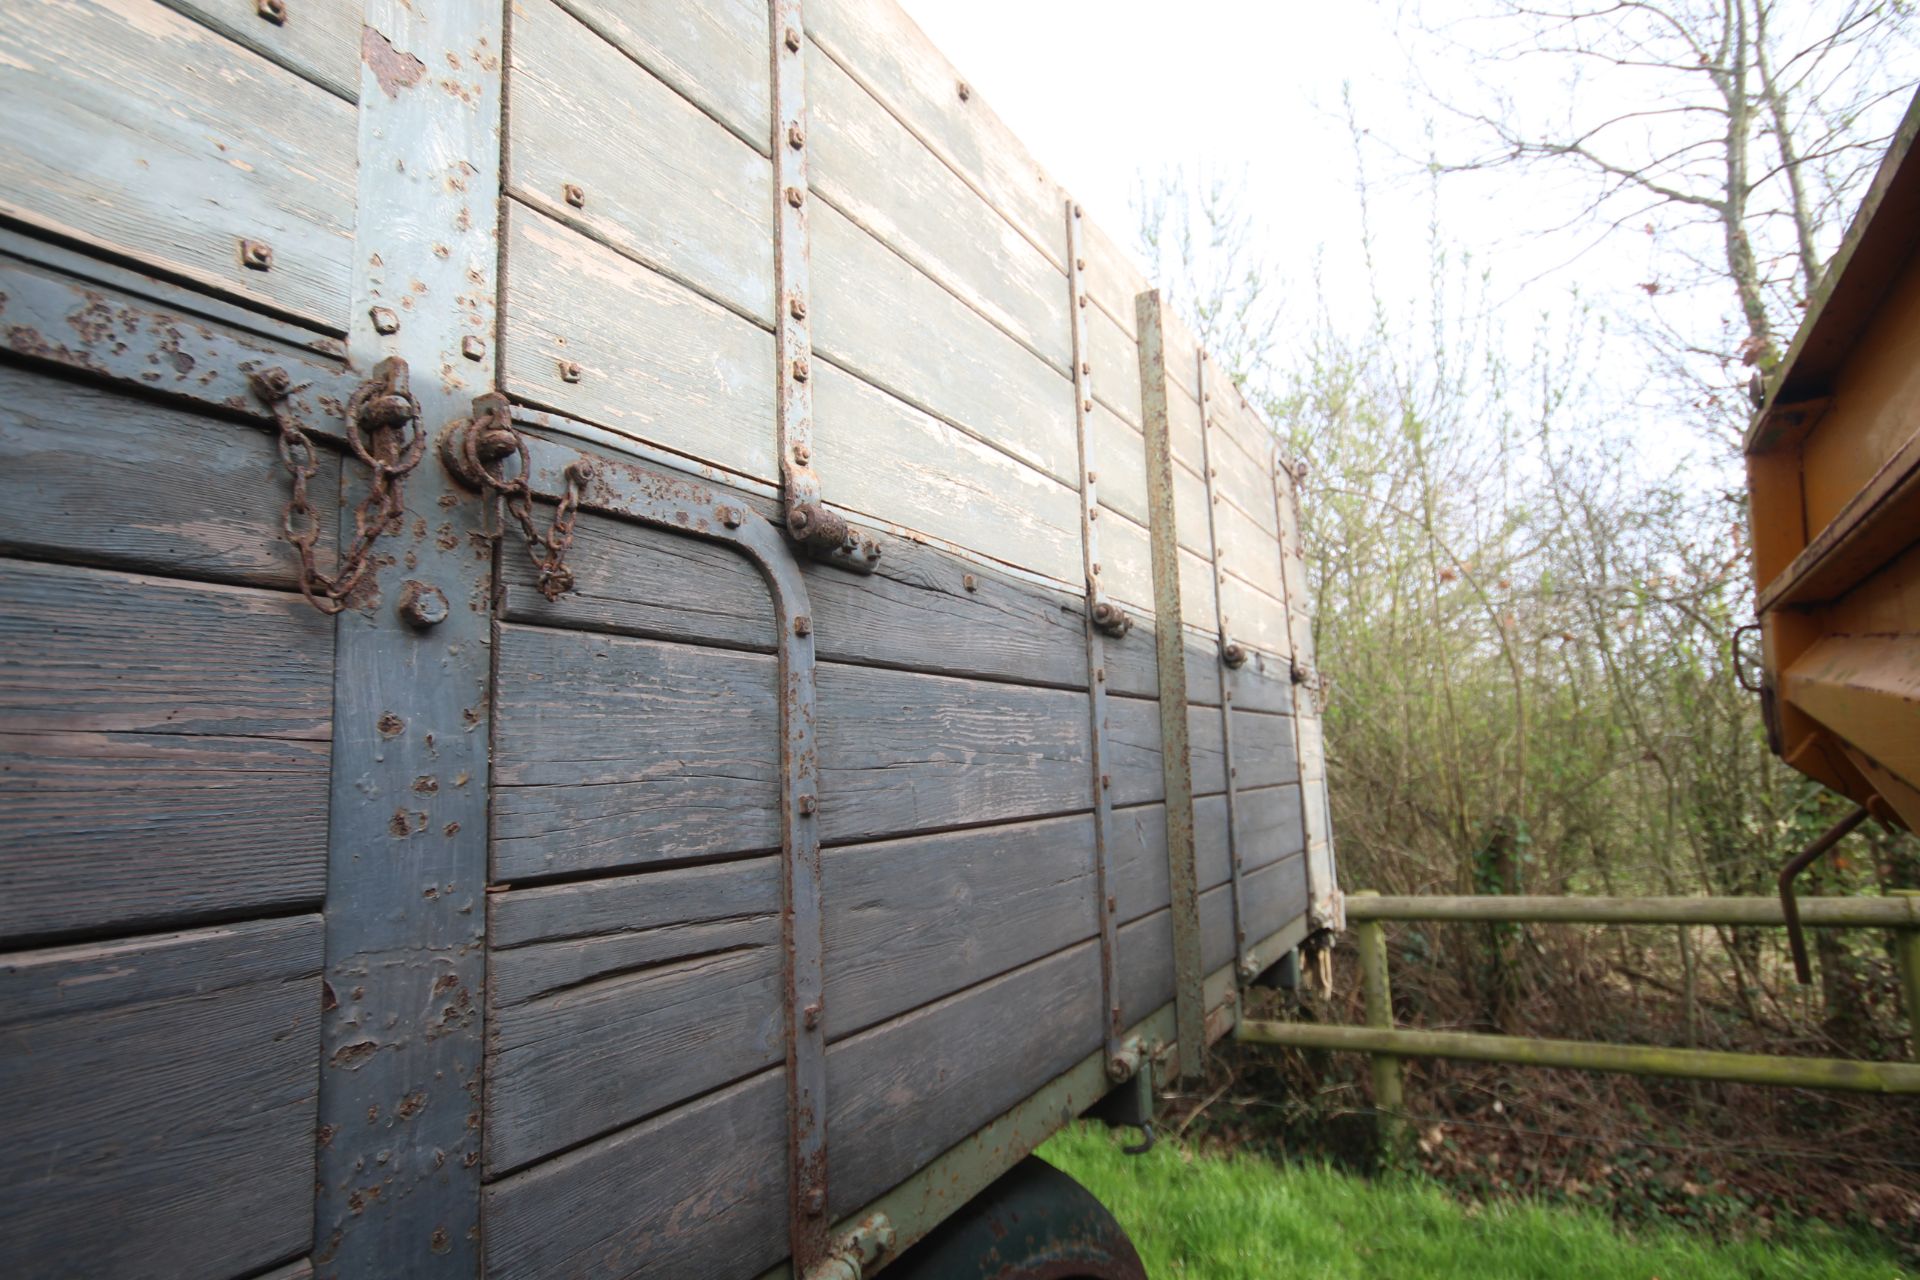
[(627, 646)]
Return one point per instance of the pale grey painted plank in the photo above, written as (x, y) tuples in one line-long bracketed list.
[(137, 829), (865, 161), (1190, 512), (662, 179), (1245, 479), (880, 456), (713, 52), (1137, 861), (319, 40), (1112, 276), (1120, 460), (1273, 896), (180, 1109), (141, 131), (1196, 592), (658, 362), (87, 649), (1250, 437), (121, 481), (1248, 550), (877, 316), (876, 43), (1133, 750), (1116, 365), (1126, 563), (1264, 683), (1206, 750), (1267, 823), (1263, 750), (1253, 617)]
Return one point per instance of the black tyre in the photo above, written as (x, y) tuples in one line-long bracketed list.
[(1035, 1223)]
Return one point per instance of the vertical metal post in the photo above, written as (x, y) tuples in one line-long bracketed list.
[(1230, 657), (1106, 907), (397, 1180), (1189, 996), (1906, 957), (1377, 990), (825, 534)]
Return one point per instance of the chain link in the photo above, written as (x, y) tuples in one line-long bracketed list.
[(383, 430), (491, 431)]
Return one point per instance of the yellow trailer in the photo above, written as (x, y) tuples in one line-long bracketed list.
[(1833, 472)]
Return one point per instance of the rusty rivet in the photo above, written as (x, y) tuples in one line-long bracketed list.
[(1113, 904), (795, 196), (803, 625), (1106, 781), (422, 606), (576, 195), (800, 369), (274, 11), (793, 40), (384, 320), (1083, 299), (731, 517), (473, 347), (256, 255), (816, 1202), (812, 1012), (1096, 568), (1079, 264), (797, 307), (1093, 477), (1086, 406), (806, 804), (1086, 369), (570, 370), (964, 89), (1076, 211), (802, 455), (1100, 675), (1093, 513), (796, 137), (970, 582)]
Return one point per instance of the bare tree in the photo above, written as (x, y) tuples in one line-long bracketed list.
[(1736, 134)]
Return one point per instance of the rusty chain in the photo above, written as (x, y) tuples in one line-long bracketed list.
[(379, 416), (490, 436)]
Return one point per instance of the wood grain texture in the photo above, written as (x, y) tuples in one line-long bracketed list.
[(1113, 278), (876, 43), (1268, 823), (1249, 550), (914, 612), (649, 989), (323, 45), (662, 179), (1263, 749), (1119, 458), (875, 315), (1133, 751), (658, 362), (1190, 512), (1116, 364), (613, 751), (865, 161), (174, 1100), (701, 1190), (1126, 563), (713, 53), (1146, 952), (114, 480), (1254, 618), (141, 131), (1273, 896), (141, 829), (87, 649)]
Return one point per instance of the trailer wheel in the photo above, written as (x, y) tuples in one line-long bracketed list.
[(1035, 1223)]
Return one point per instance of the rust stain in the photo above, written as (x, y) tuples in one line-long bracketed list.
[(392, 68), (351, 1057), (391, 725)]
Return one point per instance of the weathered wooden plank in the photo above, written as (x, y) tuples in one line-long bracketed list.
[(1126, 558), (1268, 821), (141, 131), (1251, 441), (718, 1207), (1249, 550), (1206, 750), (86, 649), (660, 178), (114, 480), (994, 1043), (1196, 592), (901, 751), (1133, 750), (882, 457), (300, 1270), (571, 1066), (1272, 896), (713, 52), (174, 1100), (1116, 365), (1137, 861), (1131, 666), (864, 160), (1183, 411), (1264, 683), (1120, 460), (321, 41), (137, 829), (911, 921), (876, 43), (613, 751), (1252, 617), (914, 612), (1263, 750), (1113, 280), (1190, 512), (1313, 760), (657, 361), (874, 314), (1146, 952), (601, 1005), (617, 752)]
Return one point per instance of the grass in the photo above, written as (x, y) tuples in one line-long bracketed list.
[(1198, 1216)]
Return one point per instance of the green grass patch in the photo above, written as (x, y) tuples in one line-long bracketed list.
[(1232, 1217)]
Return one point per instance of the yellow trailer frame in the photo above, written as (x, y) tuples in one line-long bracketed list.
[(1833, 473)]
